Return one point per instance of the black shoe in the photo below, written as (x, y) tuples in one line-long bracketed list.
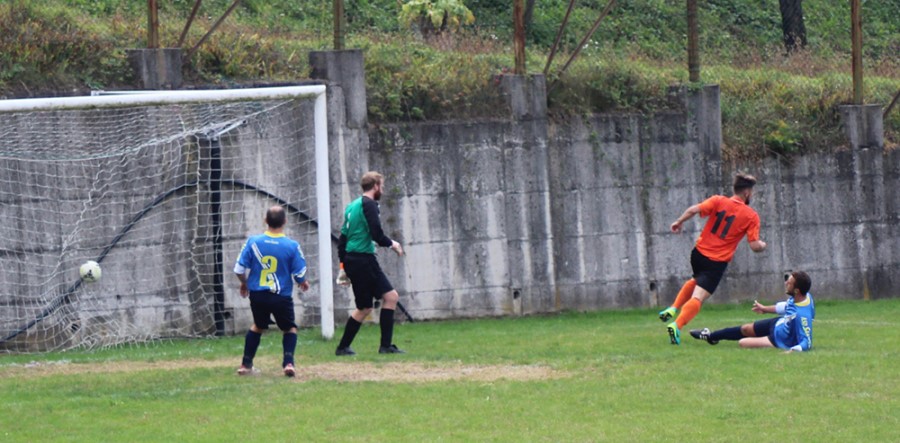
[(392, 349), (703, 334), (344, 351)]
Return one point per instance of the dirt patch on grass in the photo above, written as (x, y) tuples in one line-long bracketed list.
[(419, 373), (345, 371)]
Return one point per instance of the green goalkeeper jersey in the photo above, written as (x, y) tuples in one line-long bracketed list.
[(362, 230)]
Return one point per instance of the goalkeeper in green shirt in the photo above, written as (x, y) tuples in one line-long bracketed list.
[(360, 233)]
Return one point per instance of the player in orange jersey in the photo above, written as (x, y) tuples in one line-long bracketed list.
[(730, 218)]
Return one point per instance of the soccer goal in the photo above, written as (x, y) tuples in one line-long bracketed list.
[(162, 189)]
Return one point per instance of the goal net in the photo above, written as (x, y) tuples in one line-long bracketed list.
[(162, 189)]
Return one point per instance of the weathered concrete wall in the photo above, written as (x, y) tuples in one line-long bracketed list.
[(514, 217), (829, 215)]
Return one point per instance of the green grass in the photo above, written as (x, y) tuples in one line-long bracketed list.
[(617, 379)]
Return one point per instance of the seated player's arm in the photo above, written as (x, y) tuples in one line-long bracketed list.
[(760, 308)]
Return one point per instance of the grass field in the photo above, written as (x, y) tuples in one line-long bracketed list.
[(601, 376)]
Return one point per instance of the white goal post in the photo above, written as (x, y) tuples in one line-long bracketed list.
[(155, 182)]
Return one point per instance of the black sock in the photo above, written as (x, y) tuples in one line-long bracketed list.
[(349, 332), (251, 344), (727, 334), (387, 327), (289, 343)]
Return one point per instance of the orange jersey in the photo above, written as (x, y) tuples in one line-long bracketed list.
[(729, 219)]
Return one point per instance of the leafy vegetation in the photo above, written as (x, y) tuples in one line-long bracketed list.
[(59, 47)]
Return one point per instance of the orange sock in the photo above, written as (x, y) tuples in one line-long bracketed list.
[(691, 308), (685, 293)]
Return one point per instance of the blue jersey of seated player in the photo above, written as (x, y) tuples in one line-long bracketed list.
[(794, 329), (273, 260)]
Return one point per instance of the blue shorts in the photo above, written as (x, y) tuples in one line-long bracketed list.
[(368, 280), (264, 304), (766, 328)]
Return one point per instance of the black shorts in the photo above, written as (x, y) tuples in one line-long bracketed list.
[(707, 272), (264, 304), (368, 280), (766, 328)]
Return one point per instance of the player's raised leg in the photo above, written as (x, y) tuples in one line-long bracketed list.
[(666, 315)]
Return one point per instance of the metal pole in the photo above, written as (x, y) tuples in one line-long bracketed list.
[(891, 106), (187, 25), (152, 24), (856, 36), (338, 25), (693, 42), (519, 24), (323, 207), (559, 34), (215, 212), (214, 26), (583, 42)]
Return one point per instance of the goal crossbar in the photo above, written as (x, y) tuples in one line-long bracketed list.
[(143, 98)]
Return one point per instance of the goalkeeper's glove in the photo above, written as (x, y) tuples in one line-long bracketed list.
[(342, 279)]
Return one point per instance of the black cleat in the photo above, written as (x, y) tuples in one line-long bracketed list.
[(340, 352), (703, 334), (392, 349)]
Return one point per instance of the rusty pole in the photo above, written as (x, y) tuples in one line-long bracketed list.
[(581, 44), (559, 34), (152, 24), (693, 42), (891, 106), (519, 24), (187, 25), (338, 25), (856, 37), (211, 30)]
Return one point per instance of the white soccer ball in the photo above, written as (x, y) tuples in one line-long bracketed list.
[(90, 271)]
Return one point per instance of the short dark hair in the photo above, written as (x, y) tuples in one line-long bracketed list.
[(743, 181), (275, 217), (802, 281), (370, 179)]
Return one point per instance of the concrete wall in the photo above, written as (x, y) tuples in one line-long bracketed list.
[(512, 217)]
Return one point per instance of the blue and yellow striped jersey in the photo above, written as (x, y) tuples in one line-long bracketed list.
[(273, 261)]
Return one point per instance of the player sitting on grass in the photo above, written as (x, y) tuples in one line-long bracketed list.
[(791, 331)]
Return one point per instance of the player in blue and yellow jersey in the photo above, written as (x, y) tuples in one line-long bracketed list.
[(360, 233), (729, 220), (791, 331), (268, 266)]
